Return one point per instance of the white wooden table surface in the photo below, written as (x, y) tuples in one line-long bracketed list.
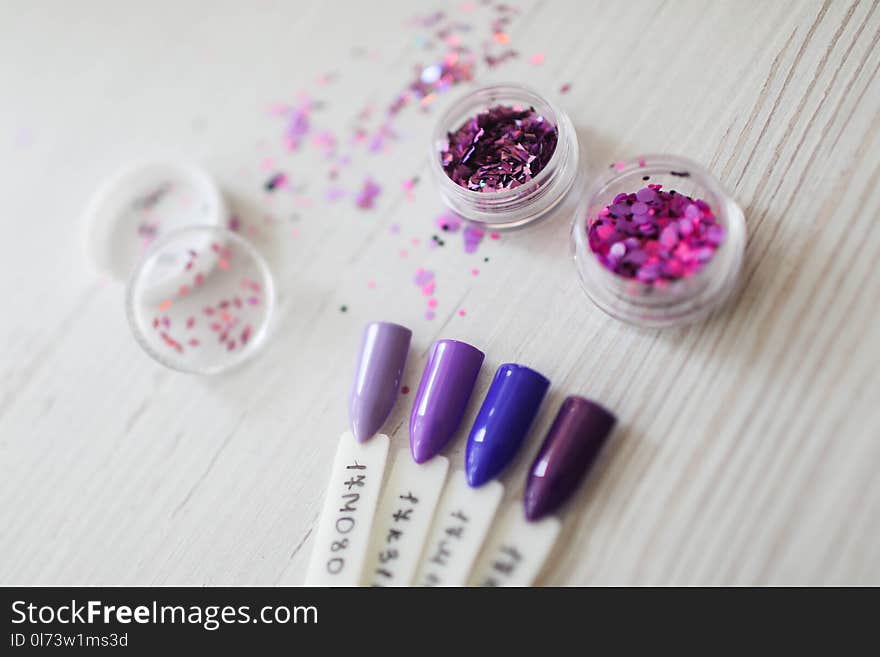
[(749, 449)]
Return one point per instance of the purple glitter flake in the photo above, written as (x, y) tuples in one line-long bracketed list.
[(449, 222), (275, 182), (366, 198), (298, 125), (500, 148), (655, 236), (472, 238)]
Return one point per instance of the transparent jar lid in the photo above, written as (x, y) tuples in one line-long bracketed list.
[(143, 202), (200, 297), (201, 300)]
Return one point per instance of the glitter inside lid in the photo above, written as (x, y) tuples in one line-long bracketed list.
[(201, 301), (500, 148)]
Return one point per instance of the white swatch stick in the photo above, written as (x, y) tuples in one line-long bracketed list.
[(343, 535), (516, 550), (406, 510), (460, 526)]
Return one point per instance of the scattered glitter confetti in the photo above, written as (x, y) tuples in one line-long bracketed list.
[(537, 59), (404, 390), (564, 89), (423, 277), (408, 187), (275, 182), (500, 148), (475, 272), (472, 238), (332, 160), (453, 69), (462, 312), (653, 235), (493, 61), (343, 309), (448, 221), (334, 193), (366, 198), (298, 123)]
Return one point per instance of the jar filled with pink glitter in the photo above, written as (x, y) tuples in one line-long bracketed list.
[(503, 156), (658, 242)]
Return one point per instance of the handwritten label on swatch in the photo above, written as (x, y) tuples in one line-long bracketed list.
[(516, 550), (403, 519), (343, 535), (461, 522)]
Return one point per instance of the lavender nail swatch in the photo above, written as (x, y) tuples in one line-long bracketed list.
[(442, 397), (384, 348), (571, 446)]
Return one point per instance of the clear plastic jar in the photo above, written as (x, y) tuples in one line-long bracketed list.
[(509, 208), (673, 302)]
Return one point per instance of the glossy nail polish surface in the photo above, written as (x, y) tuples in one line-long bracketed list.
[(503, 421), (440, 403), (384, 347), (580, 429)]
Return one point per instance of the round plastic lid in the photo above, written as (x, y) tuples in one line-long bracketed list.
[(201, 300), (142, 203)]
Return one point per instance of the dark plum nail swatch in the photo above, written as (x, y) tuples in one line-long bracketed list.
[(571, 446)]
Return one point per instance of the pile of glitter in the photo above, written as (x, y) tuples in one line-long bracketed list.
[(500, 148), (654, 235)]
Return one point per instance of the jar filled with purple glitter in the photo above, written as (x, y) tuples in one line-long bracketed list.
[(503, 156), (658, 242)]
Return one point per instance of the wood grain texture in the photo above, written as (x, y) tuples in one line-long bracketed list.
[(750, 443)]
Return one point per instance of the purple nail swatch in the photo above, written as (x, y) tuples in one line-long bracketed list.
[(503, 421), (580, 429), (384, 347), (442, 397)]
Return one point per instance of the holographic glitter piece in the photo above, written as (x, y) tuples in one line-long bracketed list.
[(276, 181), (498, 149), (655, 236), (366, 198)]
